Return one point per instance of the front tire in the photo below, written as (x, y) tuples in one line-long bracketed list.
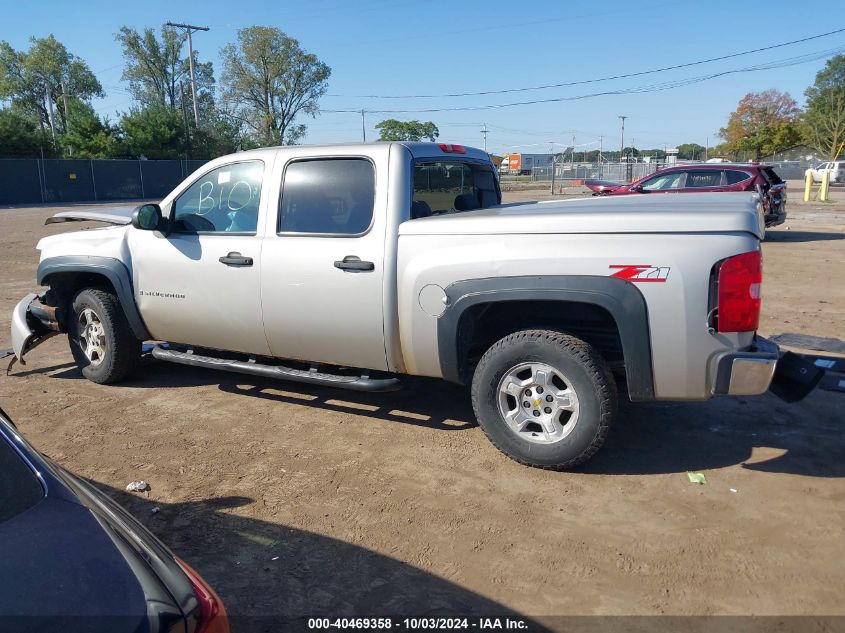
[(544, 398), (100, 338)]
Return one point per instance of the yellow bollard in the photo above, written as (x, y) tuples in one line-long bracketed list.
[(808, 186), (825, 186)]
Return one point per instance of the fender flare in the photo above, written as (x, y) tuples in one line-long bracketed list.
[(112, 269), (621, 299)]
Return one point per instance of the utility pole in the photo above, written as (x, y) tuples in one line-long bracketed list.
[(190, 28), (484, 132), (622, 142), (573, 153), (363, 127), (706, 148), (601, 147), (185, 115)]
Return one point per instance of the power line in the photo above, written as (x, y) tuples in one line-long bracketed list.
[(658, 87), (600, 79)]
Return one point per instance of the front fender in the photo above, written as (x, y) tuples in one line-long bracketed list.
[(112, 269)]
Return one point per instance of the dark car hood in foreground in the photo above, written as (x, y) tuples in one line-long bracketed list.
[(58, 561), (77, 561)]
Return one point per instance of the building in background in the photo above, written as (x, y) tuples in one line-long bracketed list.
[(524, 164)]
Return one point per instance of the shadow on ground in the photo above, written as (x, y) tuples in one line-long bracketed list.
[(269, 574), (648, 438)]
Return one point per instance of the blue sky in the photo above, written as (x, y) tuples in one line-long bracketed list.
[(381, 47)]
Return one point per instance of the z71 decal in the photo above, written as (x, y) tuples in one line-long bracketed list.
[(641, 273)]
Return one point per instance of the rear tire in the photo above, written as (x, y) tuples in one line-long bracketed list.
[(544, 398), (101, 340)]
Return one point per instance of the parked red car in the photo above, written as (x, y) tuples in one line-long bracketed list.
[(708, 177)]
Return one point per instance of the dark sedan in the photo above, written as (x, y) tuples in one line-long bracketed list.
[(708, 177), (74, 560)]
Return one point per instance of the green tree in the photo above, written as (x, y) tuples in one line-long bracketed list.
[(268, 81), (763, 123), (690, 151), (156, 131), (155, 68), (20, 135), (34, 80), (88, 136), (823, 122), (393, 130), (221, 134)]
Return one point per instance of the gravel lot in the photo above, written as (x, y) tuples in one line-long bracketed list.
[(302, 501)]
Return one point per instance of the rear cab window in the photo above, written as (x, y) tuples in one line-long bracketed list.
[(452, 186), (20, 488)]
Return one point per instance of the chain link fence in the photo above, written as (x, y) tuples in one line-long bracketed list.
[(41, 181), (619, 172)]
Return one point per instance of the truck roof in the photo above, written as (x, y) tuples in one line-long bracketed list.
[(418, 149)]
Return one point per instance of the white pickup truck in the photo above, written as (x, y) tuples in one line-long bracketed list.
[(302, 263)]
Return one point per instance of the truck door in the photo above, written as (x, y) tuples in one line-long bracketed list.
[(199, 285), (323, 261)]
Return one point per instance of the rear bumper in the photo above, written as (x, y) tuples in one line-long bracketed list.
[(764, 368), (749, 372)]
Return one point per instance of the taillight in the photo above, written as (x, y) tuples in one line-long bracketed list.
[(452, 149), (739, 281), (212, 617)]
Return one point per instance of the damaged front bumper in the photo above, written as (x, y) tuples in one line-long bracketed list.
[(33, 322)]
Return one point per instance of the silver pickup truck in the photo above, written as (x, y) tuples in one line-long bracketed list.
[(349, 265)]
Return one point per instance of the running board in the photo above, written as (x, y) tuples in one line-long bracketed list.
[(355, 383)]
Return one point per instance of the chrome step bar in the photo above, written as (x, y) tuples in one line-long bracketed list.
[(313, 377)]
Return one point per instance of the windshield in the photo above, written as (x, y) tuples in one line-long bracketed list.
[(451, 186)]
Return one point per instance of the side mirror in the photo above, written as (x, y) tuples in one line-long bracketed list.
[(637, 188), (147, 217)]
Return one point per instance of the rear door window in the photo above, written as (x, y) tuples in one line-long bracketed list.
[(734, 176), (333, 196), (698, 179), (19, 487), (444, 186)]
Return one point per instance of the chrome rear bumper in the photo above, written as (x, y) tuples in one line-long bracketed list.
[(749, 372)]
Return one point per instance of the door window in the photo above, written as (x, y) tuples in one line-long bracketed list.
[(734, 177), (332, 196), (703, 178), (664, 182), (223, 200)]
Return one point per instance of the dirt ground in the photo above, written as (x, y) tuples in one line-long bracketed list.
[(299, 501)]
